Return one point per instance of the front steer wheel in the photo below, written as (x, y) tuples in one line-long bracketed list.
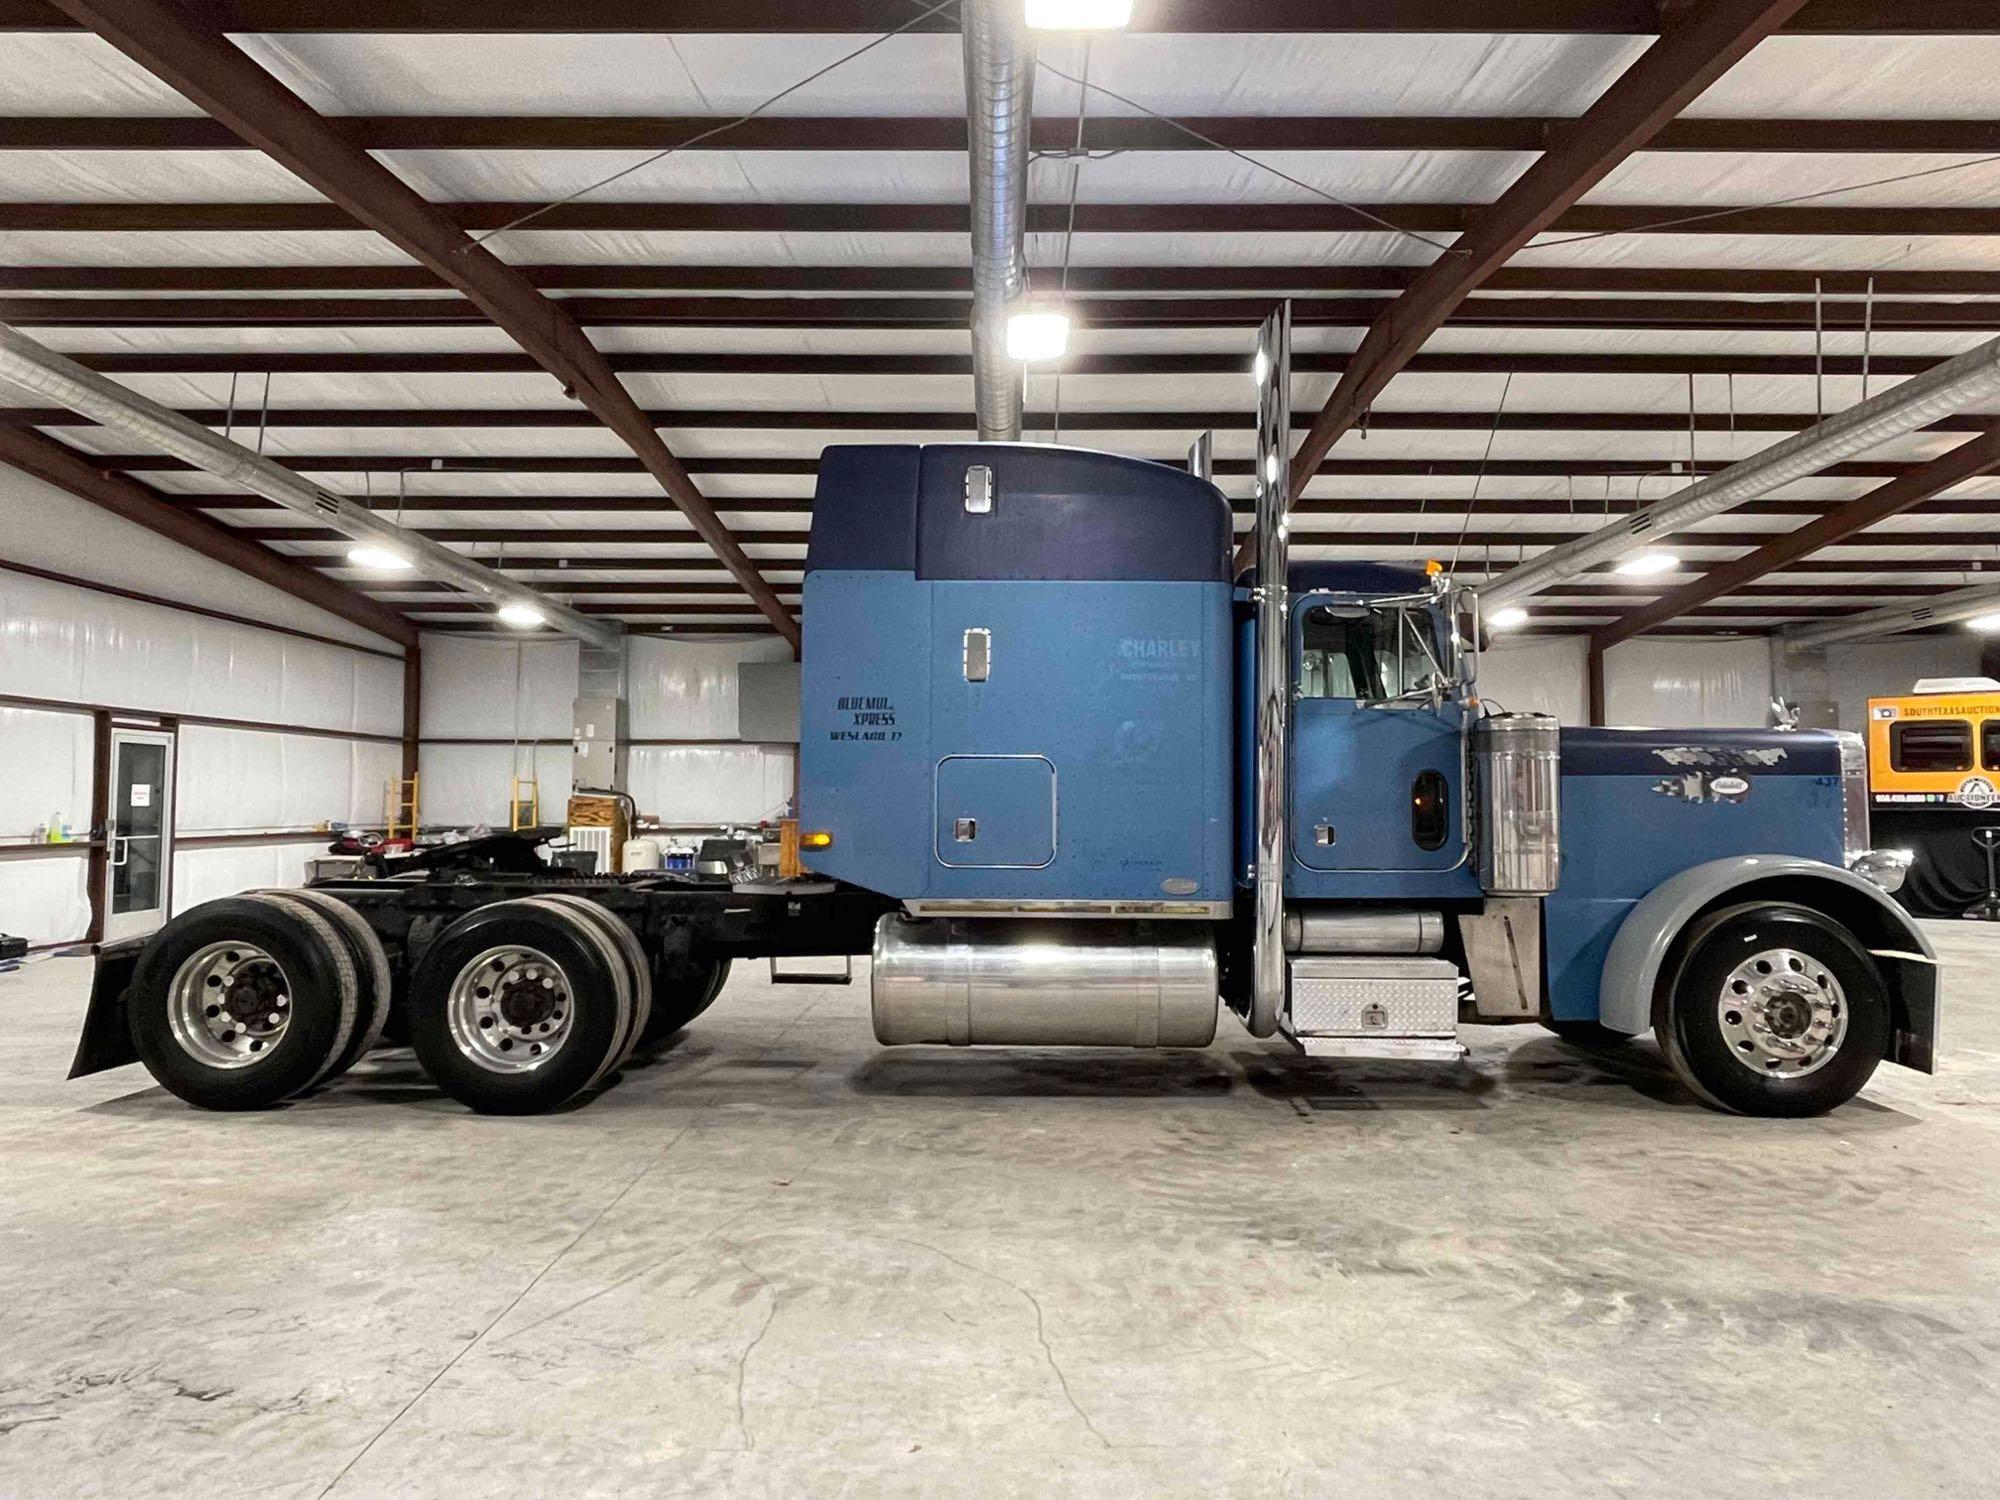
[(1772, 1009)]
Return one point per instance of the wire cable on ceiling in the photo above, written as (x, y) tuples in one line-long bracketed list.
[(1243, 156), (1069, 233), (1750, 208), (1472, 505), (715, 130)]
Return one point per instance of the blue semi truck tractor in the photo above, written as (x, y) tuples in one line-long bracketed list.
[(1032, 718), (1071, 780)]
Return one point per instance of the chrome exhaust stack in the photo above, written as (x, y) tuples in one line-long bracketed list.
[(1268, 972)]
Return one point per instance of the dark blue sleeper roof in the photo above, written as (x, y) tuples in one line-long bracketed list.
[(1058, 513)]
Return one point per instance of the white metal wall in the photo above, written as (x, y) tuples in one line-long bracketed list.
[(79, 648), (1544, 676), (515, 697), (1688, 682), (686, 690)]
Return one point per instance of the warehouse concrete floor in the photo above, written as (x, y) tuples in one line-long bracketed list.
[(781, 1261)]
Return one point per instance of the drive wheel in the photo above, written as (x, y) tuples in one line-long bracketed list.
[(638, 967), (242, 1002), (1773, 1009), (518, 1007), (371, 965), (686, 988)]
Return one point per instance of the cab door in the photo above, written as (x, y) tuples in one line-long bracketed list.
[(1377, 776)]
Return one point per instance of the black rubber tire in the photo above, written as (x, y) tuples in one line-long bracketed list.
[(371, 963), (638, 967), (682, 990), (324, 990), (593, 973), (1586, 1033), (1691, 1037)]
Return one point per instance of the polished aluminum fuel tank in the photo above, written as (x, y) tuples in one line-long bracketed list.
[(1519, 757), (1044, 984)]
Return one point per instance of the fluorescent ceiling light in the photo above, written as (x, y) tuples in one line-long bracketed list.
[(382, 559), (1079, 15), (1647, 564), (1985, 624), (1262, 369), (1507, 617), (521, 616), (1035, 336)]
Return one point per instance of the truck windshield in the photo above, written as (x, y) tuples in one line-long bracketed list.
[(1355, 652)]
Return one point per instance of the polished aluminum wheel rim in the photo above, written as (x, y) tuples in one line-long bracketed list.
[(1783, 1013), (229, 1005), (510, 1009)]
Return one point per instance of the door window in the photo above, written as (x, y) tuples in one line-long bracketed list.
[(1355, 652)]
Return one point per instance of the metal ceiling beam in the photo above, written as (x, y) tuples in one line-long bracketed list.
[(1981, 455), (205, 67), (1049, 133), (936, 279), (809, 420), (413, 593), (1043, 218), (1252, 17), (702, 362), (1703, 45), (1406, 540), (54, 464), (1637, 466), (868, 311), (1313, 505)]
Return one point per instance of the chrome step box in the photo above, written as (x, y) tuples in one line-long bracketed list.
[(1374, 1006)]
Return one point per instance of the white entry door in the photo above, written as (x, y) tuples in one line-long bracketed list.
[(140, 832)]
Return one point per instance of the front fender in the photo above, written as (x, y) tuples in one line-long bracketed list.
[(1640, 947)]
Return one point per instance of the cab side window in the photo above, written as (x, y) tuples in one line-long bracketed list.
[(1989, 744), (1350, 651)]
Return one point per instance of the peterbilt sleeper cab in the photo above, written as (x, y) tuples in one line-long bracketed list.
[(1030, 720)]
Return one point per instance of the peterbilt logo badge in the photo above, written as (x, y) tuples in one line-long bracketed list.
[(1977, 793), (1705, 786)]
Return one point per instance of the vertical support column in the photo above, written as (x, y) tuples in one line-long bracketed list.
[(100, 818), (413, 701), (1594, 672), (1274, 675)]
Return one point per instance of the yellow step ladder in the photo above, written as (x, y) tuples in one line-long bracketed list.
[(400, 808), (524, 802)]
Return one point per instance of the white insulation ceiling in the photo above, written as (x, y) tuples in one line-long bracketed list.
[(1598, 394)]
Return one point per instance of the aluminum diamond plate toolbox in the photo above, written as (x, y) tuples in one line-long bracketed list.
[(1374, 997)]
